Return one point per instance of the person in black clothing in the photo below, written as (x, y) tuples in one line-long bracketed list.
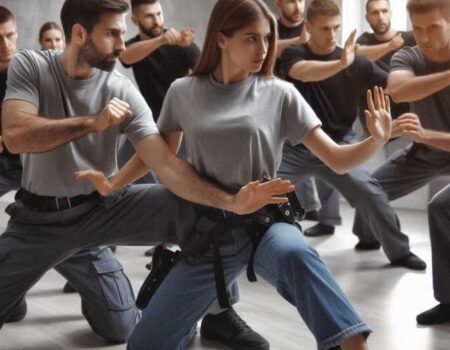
[(331, 79), (382, 44), (291, 31), (158, 56)]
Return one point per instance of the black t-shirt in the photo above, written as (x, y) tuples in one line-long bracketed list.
[(289, 32), (335, 100), (157, 71), (286, 33), (384, 63), (2, 96)]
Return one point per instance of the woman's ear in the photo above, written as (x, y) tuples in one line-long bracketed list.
[(221, 40)]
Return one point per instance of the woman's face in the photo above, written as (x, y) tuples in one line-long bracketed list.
[(247, 48), (52, 39)]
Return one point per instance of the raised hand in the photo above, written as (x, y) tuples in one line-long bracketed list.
[(397, 42), (187, 37), (98, 179), (350, 48), (172, 37), (378, 116), (409, 125), (114, 113), (256, 195)]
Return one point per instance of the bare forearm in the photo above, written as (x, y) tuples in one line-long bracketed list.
[(309, 71), (375, 52), (417, 88), (42, 134), (347, 157), (138, 51), (183, 180), (437, 139), (133, 170)]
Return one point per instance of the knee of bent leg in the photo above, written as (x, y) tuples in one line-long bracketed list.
[(116, 326)]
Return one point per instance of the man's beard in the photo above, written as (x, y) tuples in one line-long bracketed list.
[(90, 54), (381, 32), (290, 18), (153, 32)]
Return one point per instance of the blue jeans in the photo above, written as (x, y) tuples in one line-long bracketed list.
[(283, 258)]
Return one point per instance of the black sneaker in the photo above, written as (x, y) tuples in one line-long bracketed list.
[(410, 261), (438, 314), (367, 245), (19, 312), (312, 215), (67, 289), (231, 330), (319, 230)]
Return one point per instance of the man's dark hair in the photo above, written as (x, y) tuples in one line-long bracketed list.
[(87, 13), (6, 15), (370, 1), (424, 6), (136, 3), (328, 8)]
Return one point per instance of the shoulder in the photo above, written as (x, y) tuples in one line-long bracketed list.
[(133, 40), (365, 38)]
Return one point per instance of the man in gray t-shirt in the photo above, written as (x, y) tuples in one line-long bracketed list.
[(421, 75), (65, 112)]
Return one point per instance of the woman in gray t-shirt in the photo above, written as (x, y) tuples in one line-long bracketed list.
[(235, 117)]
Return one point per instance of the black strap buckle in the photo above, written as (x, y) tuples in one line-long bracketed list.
[(62, 203)]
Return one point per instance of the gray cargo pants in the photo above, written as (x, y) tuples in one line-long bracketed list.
[(406, 171), (35, 242), (358, 187)]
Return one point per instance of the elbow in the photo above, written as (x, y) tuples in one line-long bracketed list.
[(12, 142), (396, 94)]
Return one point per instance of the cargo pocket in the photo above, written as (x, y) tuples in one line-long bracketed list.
[(115, 284)]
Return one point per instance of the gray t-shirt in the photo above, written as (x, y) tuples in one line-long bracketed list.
[(235, 133), (38, 77), (434, 110)]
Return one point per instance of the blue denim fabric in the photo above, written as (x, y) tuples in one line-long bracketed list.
[(283, 258)]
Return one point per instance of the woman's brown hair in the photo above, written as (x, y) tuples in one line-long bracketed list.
[(227, 17), (47, 26)]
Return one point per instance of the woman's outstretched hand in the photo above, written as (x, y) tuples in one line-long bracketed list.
[(256, 195), (98, 179), (378, 115)]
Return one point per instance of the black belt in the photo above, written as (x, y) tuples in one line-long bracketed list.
[(44, 203)]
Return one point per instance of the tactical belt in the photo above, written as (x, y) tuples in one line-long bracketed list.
[(211, 226)]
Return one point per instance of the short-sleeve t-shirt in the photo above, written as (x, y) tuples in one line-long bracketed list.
[(335, 99), (157, 71), (39, 78), (384, 63), (434, 110), (286, 33), (3, 78), (235, 133)]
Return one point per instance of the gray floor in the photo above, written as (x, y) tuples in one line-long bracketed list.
[(387, 298)]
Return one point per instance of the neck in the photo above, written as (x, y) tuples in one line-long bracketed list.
[(290, 24), (75, 67), (386, 36), (226, 75), (4, 66)]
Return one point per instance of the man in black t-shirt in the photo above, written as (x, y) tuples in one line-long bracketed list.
[(382, 44), (331, 79), (158, 56), (291, 32)]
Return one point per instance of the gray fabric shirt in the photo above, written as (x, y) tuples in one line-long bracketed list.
[(38, 77), (434, 110), (235, 133)]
